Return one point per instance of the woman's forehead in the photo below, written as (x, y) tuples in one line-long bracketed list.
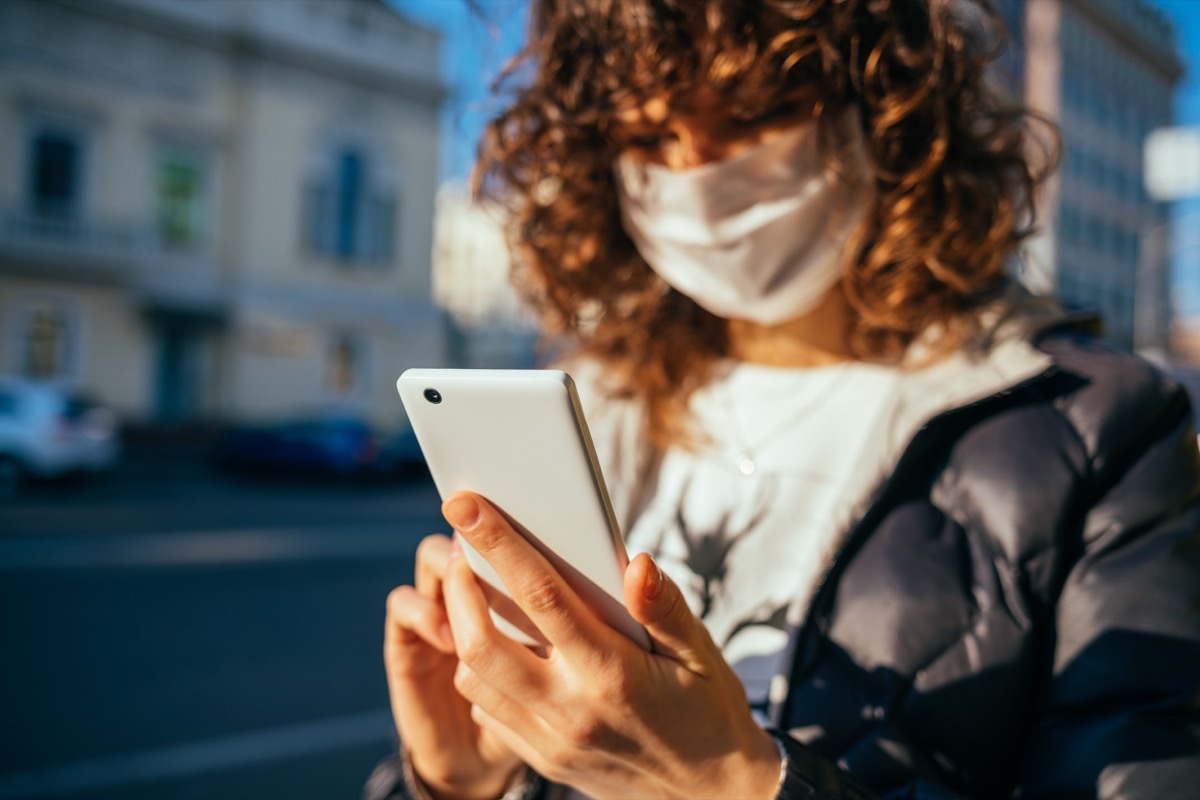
[(657, 107), (704, 102), (643, 111)]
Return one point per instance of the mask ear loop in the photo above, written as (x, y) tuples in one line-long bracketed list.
[(849, 166), (631, 175), (622, 173), (845, 143)]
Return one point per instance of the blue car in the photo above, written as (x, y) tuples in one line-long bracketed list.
[(331, 446)]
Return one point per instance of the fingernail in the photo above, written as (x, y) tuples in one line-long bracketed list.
[(654, 582), (461, 512)]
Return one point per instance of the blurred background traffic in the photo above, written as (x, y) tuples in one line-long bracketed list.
[(226, 226)]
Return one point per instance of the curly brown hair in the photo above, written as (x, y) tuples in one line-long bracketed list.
[(955, 169)]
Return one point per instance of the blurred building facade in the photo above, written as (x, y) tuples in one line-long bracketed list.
[(1105, 71), (471, 263), (218, 209)]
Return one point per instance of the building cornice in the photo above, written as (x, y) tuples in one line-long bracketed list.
[(1113, 17), (247, 43)]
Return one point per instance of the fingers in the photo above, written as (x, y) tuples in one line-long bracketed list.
[(534, 740), (493, 702), (411, 616), (433, 554), (556, 747), (505, 665), (536, 586), (526, 752), (654, 600), (416, 612)]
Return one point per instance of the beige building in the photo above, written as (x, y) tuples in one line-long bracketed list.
[(471, 261), (218, 209), (1105, 71)]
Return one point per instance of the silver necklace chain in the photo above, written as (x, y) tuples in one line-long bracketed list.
[(745, 455)]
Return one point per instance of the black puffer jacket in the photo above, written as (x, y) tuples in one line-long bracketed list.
[(1018, 612)]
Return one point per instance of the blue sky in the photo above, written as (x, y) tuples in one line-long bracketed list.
[(475, 49), (1185, 244)]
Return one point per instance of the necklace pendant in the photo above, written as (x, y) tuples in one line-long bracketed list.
[(746, 465)]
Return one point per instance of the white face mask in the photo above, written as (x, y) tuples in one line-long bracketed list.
[(759, 235)]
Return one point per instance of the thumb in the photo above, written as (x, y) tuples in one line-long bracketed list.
[(655, 601)]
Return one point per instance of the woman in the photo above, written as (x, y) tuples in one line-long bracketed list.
[(902, 531)]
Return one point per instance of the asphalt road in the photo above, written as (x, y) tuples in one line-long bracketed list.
[(168, 633)]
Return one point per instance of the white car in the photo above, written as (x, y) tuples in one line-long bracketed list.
[(47, 431)]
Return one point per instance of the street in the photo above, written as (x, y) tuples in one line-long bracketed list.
[(166, 632)]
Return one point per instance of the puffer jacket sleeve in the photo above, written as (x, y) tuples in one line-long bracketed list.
[(393, 779), (386, 781), (1119, 715)]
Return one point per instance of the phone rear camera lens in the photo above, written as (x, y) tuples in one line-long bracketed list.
[(433, 396)]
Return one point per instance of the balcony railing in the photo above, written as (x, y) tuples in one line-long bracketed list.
[(94, 250), (78, 237)]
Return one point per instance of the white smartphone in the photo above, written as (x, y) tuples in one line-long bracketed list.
[(519, 439)]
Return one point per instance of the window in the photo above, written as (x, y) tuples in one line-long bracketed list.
[(349, 203), (1116, 241), (55, 175), (1074, 101), (1117, 312), (1095, 171), (1066, 225), (181, 199), (1093, 233), (45, 342), (1068, 287), (349, 216), (347, 365), (1074, 163)]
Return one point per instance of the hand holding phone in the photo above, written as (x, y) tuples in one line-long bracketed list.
[(518, 438)]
